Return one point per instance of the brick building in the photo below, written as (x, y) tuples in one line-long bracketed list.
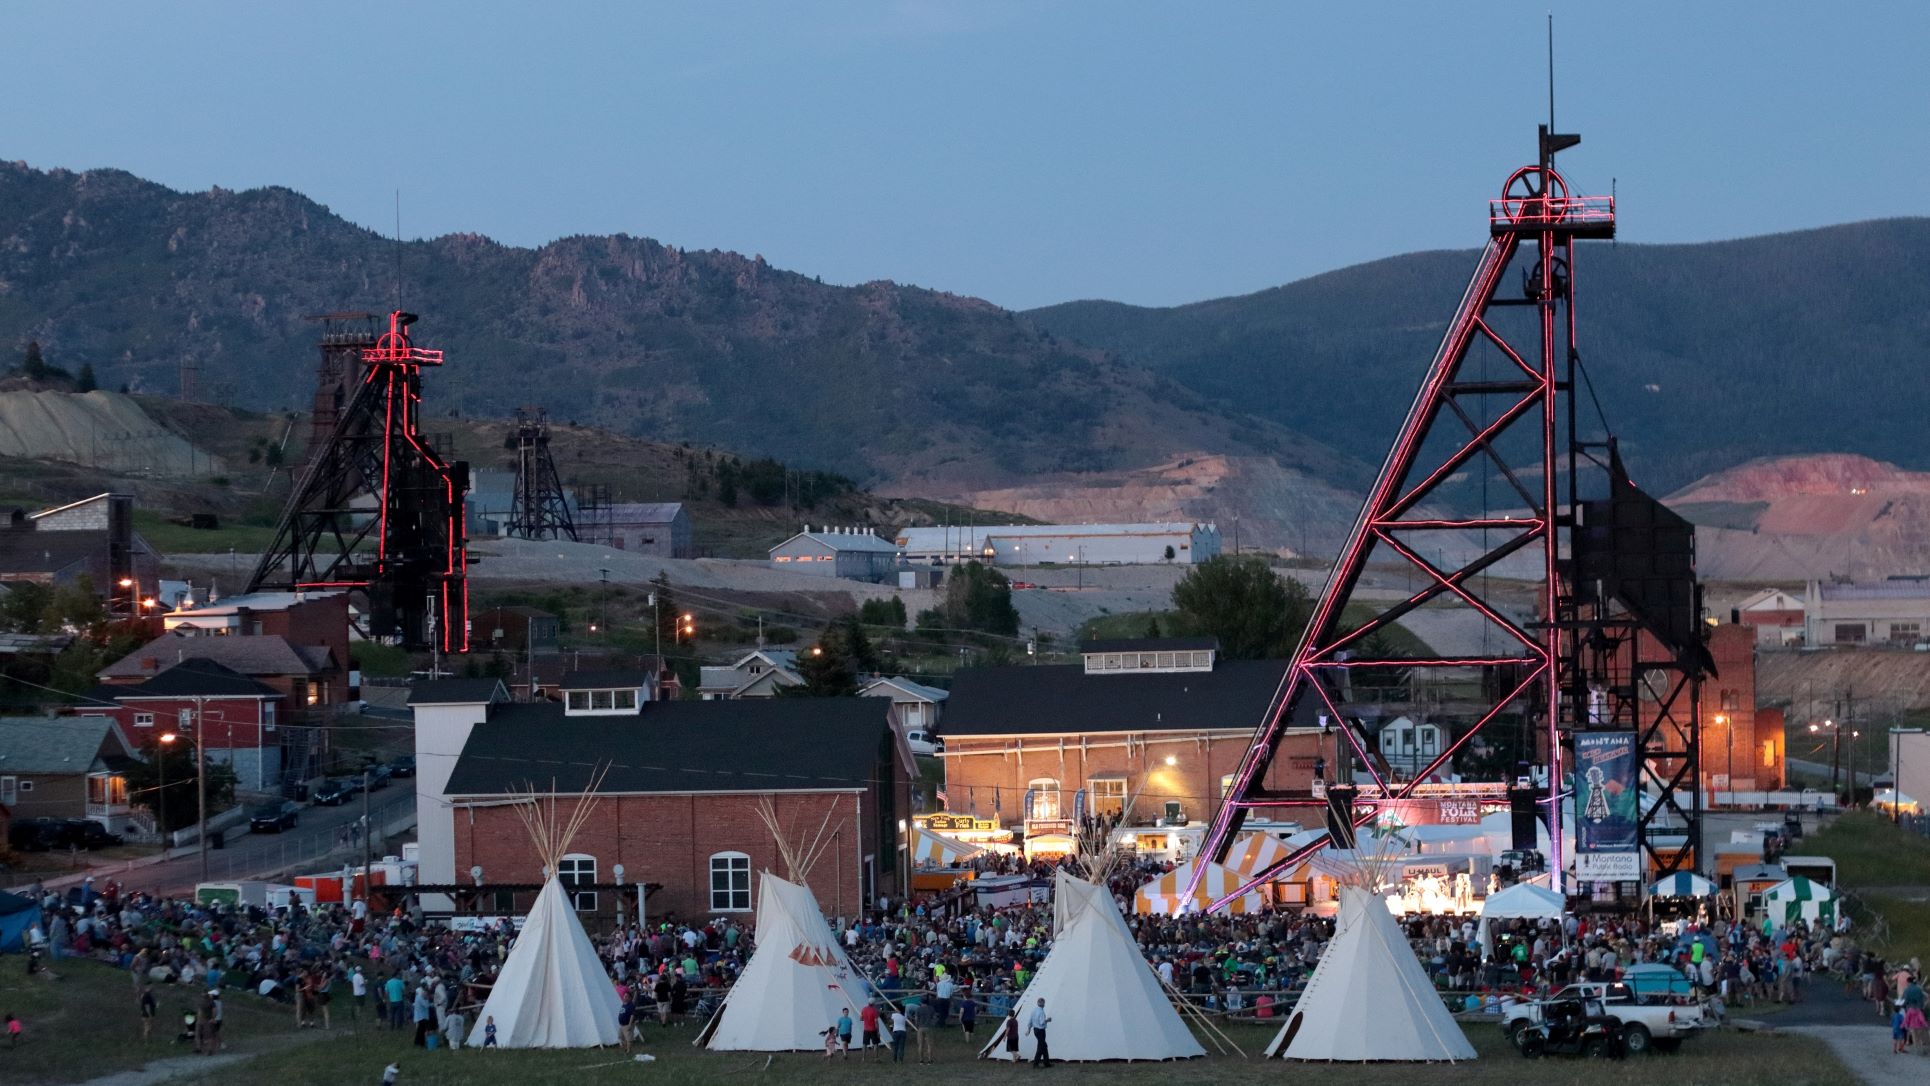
[(1742, 745), (679, 800), (240, 720), (315, 623), (1161, 719)]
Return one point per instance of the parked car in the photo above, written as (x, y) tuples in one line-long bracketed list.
[(403, 766), (1574, 1027), (1650, 1022), (924, 743), (377, 776), (274, 817), (335, 791), (34, 834), (86, 833)]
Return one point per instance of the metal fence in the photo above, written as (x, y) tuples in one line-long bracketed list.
[(254, 856)]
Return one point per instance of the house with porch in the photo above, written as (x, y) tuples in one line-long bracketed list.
[(760, 673), (67, 767)]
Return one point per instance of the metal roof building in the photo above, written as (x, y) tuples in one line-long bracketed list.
[(851, 553), (1185, 542)]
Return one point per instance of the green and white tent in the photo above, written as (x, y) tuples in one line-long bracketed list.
[(1799, 899), (1682, 884)]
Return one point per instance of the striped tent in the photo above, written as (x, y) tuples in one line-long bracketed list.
[(1799, 899), (1255, 852), (930, 849), (1683, 884), (1165, 895)]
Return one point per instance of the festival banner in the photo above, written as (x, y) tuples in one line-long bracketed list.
[(1607, 807)]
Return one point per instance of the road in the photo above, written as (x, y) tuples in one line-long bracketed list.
[(255, 855)]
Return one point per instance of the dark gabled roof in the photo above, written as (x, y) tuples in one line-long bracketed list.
[(604, 680), (1151, 644), (1062, 698), (246, 654), (196, 677), (458, 692), (760, 745), (53, 745)]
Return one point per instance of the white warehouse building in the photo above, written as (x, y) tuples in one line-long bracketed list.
[(851, 553), (1182, 542)]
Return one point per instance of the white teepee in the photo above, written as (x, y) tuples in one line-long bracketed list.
[(553, 991), (1104, 1000), (797, 983), (1368, 998)]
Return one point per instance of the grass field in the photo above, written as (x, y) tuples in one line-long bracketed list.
[(171, 538), (1886, 871), (85, 1026)]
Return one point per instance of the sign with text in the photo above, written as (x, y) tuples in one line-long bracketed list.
[(1607, 807)]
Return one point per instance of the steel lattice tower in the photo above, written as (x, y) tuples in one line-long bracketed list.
[(540, 510), (378, 510), (1490, 406)]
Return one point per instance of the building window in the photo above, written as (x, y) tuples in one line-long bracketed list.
[(1904, 633), (1427, 740), (185, 719), (106, 790), (1226, 785), (268, 716), (9, 790), (730, 882), (626, 699), (1851, 633), (1769, 754), (1108, 795), (579, 700), (574, 871), (1731, 701), (602, 699), (1042, 801), (144, 720)]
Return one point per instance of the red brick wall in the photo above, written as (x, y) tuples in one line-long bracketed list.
[(230, 723), (670, 838), (1729, 721), (322, 621)]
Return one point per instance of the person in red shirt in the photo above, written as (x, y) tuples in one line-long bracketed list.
[(868, 1020)]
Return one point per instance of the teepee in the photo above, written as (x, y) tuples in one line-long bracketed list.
[(1368, 998), (798, 980), (1105, 1001), (553, 991)]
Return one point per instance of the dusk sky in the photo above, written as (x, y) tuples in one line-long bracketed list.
[(1029, 153)]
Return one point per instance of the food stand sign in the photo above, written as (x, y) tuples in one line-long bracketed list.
[(1607, 807)]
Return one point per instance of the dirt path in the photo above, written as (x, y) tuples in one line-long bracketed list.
[(1865, 1050), (181, 1067)]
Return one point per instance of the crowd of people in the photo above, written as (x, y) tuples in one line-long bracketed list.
[(944, 962)]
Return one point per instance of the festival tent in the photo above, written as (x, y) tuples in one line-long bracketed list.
[(1682, 884), (930, 849), (1104, 999), (797, 982), (17, 916), (1799, 899), (1166, 895), (553, 991), (1252, 853), (1892, 802), (1368, 998), (1522, 901)]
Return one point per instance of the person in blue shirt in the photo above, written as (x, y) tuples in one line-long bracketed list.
[(844, 1032)]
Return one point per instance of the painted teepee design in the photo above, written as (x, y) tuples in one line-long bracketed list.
[(553, 991), (798, 980), (1368, 998), (1105, 1001)]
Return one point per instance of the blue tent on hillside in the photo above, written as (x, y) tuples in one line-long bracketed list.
[(17, 915)]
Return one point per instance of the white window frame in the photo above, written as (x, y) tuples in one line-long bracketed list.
[(268, 716), (578, 868), (144, 720), (1105, 791), (577, 701), (9, 790), (184, 719), (735, 867)]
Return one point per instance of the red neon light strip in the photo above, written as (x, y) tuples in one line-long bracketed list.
[(1520, 689), (1466, 597), (1462, 455), (1340, 722), (1444, 661), (1495, 338)]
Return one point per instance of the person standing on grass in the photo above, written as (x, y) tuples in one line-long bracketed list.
[(925, 1020), (395, 989), (148, 1010), (868, 1020), (1912, 1000), (899, 1024), (359, 989), (424, 1017), (967, 1014), (13, 1032), (844, 1031), (1038, 1023)]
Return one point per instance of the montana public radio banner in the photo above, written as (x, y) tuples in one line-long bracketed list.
[(1607, 797)]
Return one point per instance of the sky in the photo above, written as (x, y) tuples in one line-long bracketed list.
[(1028, 153)]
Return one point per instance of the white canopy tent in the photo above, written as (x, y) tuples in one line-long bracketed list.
[(797, 983), (1799, 899), (1368, 998), (1104, 999), (1522, 901)]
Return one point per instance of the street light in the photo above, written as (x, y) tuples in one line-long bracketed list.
[(161, 815), (1729, 737)]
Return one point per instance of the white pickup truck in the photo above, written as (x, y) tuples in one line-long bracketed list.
[(1656, 1022)]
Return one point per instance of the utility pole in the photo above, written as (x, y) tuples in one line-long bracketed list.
[(201, 783), (368, 831)]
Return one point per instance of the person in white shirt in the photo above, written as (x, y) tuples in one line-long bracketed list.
[(1166, 971), (359, 987), (899, 1024), (1037, 1023)]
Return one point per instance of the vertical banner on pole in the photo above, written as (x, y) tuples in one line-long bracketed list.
[(1607, 807)]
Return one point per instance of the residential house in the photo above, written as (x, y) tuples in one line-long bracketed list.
[(1148, 730), (238, 720), (760, 673), (680, 787), (311, 678), (308, 620), (852, 554), (67, 767), (1409, 747), (915, 707), (1775, 615)]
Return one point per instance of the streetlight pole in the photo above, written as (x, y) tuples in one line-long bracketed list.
[(201, 783), (166, 740), (1729, 737)]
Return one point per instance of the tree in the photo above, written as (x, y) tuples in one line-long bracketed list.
[(1170, 553), (175, 762), (889, 612), (977, 598), (33, 365), (1255, 614), (831, 667), (1152, 625), (86, 382)]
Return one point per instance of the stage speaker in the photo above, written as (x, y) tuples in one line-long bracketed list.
[(1340, 814), (1521, 809)]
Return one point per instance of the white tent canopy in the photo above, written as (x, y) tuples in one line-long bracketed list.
[(1799, 899), (552, 991), (1522, 901), (1368, 998), (1104, 999), (1682, 884), (797, 983), (929, 849)]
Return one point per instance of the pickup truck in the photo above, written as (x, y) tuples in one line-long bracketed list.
[(1656, 1022)]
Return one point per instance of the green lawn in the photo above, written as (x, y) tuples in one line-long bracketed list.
[(171, 538), (1880, 866)]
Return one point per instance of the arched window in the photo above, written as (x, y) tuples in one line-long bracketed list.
[(1045, 798), (577, 870), (730, 882)]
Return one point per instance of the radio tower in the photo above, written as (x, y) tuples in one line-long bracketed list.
[(541, 510), (1601, 643), (377, 509)]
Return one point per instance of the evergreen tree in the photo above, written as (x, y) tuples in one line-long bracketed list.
[(86, 383), (1255, 614), (33, 365)]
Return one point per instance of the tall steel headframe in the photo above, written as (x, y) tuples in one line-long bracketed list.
[(1489, 414), (540, 509), (378, 509)]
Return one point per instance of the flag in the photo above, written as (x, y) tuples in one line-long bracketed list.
[(940, 793)]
